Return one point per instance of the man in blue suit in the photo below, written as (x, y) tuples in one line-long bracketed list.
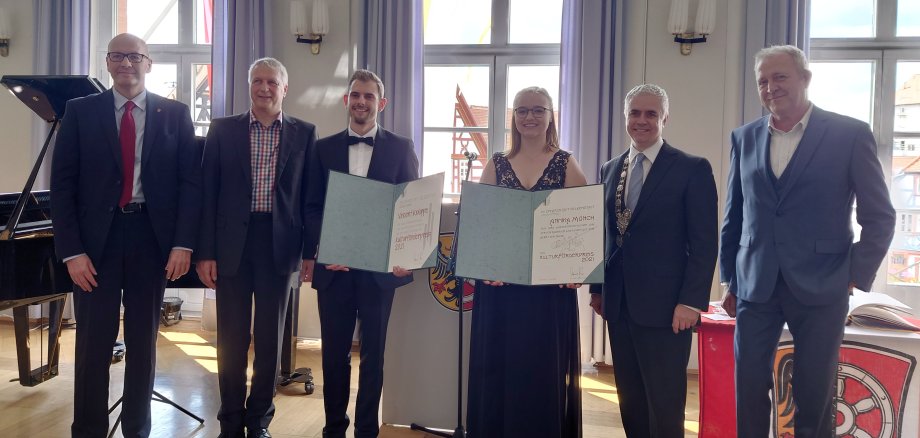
[(125, 191), (787, 252)]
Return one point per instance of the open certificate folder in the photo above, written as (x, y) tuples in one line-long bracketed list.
[(880, 311), (545, 237), (374, 226)]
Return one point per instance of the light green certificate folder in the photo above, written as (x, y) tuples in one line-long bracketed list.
[(545, 237), (374, 226)]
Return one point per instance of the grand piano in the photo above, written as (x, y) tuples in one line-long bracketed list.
[(29, 271), (31, 274)]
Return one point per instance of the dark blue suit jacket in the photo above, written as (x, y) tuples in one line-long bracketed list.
[(669, 249), (800, 226), (227, 169), (393, 161), (86, 174)]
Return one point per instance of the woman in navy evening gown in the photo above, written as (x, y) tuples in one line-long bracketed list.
[(524, 352)]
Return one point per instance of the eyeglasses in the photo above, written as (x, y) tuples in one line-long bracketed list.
[(538, 112), (135, 58)]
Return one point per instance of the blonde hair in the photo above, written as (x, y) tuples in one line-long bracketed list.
[(552, 134)]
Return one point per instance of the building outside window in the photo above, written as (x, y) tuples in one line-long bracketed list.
[(478, 54), (178, 35), (865, 59)]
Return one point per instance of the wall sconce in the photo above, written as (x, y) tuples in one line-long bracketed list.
[(6, 32), (677, 23), (320, 23)]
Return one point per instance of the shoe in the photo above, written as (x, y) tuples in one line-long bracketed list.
[(258, 433), (234, 434)]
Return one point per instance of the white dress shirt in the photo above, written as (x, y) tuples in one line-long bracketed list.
[(784, 144), (359, 155)]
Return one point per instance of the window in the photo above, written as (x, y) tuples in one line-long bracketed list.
[(178, 35), (478, 54), (865, 59)]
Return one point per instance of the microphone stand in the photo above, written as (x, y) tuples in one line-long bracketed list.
[(459, 432)]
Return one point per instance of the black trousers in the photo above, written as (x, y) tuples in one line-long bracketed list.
[(131, 272), (353, 295), (650, 370), (256, 279)]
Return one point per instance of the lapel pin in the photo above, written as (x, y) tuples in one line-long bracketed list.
[(159, 109)]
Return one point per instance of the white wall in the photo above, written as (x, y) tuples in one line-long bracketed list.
[(16, 142), (703, 87), (318, 82)]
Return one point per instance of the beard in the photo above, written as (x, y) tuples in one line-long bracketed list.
[(361, 117)]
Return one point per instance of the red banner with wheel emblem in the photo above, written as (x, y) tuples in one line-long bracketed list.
[(871, 392)]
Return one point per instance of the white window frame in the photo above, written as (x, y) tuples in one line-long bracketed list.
[(498, 55), (885, 50), (185, 54)]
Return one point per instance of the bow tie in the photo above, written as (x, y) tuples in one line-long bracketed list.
[(355, 140)]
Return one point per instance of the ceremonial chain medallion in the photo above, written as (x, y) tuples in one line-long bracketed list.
[(623, 213)]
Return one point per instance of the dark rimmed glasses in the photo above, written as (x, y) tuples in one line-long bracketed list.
[(135, 58), (538, 112)]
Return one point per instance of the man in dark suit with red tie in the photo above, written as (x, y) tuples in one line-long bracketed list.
[(252, 234), (125, 191), (344, 295)]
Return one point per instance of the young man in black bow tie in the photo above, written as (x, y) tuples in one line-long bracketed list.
[(344, 295)]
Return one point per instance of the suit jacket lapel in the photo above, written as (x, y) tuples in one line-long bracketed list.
[(612, 180), (107, 106), (806, 148), (762, 137), (378, 156), (152, 124), (656, 174), (243, 148), (287, 145), (340, 153)]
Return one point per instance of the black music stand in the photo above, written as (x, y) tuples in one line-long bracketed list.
[(289, 371), (117, 356), (459, 431)]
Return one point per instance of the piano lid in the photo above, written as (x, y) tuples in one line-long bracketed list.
[(47, 96)]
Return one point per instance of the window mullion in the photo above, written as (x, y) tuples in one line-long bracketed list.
[(186, 22), (499, 96), (500, 23), (886, 20)]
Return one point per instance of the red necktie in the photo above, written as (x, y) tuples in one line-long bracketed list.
[(127, 135)]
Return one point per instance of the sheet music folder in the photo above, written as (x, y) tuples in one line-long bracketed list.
[(47, 96)]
